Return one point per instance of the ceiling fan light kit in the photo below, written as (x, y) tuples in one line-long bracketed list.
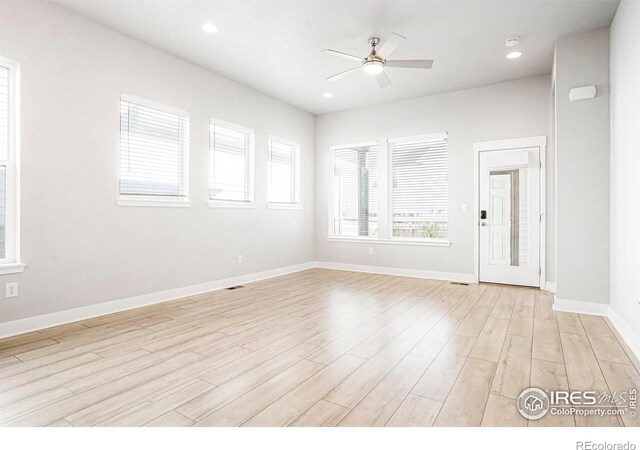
[(373, 67), (375, 63)]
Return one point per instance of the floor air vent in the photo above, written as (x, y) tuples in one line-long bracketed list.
[(461, 284), (234, 287)]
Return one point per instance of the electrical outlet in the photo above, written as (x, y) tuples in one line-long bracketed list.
[(239, 259), (371, 250), (11, 289)]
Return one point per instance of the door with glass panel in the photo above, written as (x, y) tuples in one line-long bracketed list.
[(509, 230)]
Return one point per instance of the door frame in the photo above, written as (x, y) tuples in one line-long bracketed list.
[(510, 144)]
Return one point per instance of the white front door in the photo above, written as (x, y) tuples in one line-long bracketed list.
[(509, 219)]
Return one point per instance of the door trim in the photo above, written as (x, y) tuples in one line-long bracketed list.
[(510, 144)]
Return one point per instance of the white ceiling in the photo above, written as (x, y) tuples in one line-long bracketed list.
[(274, 46)]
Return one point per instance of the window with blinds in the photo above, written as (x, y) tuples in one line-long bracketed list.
[(4, 113), (231, 163), (419, 192), (355, 191), (284, 176), (4, 154), (9, 131), (154, 145)]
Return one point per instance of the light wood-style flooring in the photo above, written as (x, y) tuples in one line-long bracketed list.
[(315, 348)]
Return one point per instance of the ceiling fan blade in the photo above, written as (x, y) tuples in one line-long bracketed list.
[(383, 80), (341, 74), (343, 55), (410, 63), (392, 42)]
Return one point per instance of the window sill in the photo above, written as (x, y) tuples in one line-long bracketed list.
[(146, 202), (223, 204), (415, 242), (284, 206), (6, 269)]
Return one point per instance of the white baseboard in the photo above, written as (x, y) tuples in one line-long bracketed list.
[(627, 332), (578, 307), (550, 286), (16, 327), (29, 324), (413, 273)]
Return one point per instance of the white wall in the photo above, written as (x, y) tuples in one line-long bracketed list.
[(80, 247), (625, 168), (501, 111), (582, 164)]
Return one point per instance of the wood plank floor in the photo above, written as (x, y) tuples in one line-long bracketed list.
[(315, 348)]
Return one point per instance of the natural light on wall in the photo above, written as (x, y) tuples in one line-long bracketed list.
[(355, 191)]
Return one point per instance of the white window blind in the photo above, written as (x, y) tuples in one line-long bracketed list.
[(154, 142), (4, 113), (355, 191), (9, 95), (231, 163), (4, 154), (420, 194), (284, 168)]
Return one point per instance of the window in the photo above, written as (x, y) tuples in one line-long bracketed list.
[(355, 190), (419, 187), (9, 245), (284, 173), (154, 145), (231, 162)]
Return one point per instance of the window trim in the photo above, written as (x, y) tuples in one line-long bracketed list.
[(213, 203), (12, 262), (296, 204), (231, 204), (428, 242), (125, 200), (150, 200), (330, 234), (403, 140), (417, 138), (154, 104)]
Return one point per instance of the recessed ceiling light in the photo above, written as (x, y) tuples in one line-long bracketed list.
[(514, 55), (209, 28), (328, 94)]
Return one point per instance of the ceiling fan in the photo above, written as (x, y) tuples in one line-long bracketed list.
[(376, 61)]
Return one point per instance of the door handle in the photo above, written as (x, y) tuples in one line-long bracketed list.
[(483, 214)]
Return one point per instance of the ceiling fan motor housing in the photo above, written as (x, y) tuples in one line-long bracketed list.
[(373, 41)]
